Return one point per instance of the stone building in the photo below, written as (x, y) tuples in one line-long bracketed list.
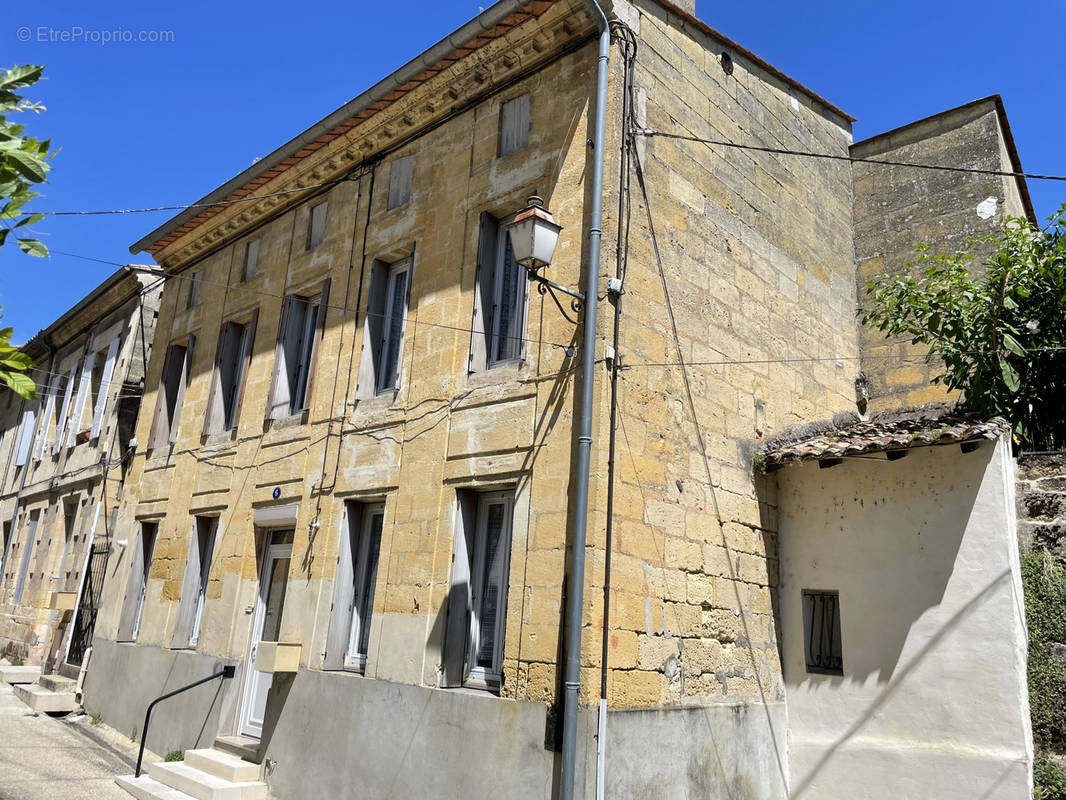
[(64, 467), (356, 470)]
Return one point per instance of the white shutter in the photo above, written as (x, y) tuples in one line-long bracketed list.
[(190, 586), (74, 423), (49, 407), (340, 617), (457, 625), (105, 385), (22, 445), (61, 424)]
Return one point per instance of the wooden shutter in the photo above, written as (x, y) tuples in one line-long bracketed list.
[(25, 437), (400, 174), (457, 625), (105, 386), (514, 124), (186, 376), (340, 617), (373, 324), (61, 424), (49, 407), (213, 392), (190, 588), (320, 329), (134, 586), (247, 346), (488, 232), (74, 423), (161, 433), (274, 409)]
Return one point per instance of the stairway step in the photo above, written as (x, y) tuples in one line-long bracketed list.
[(25, 674), (146, 788), (203, 785), (223, 765), (40, 699), (241, 746), (57, 683)]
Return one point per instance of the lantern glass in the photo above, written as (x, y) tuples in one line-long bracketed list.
[(534, 236)]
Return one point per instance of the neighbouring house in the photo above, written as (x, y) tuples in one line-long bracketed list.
[(64, 460), (903, 634), (358, 464)]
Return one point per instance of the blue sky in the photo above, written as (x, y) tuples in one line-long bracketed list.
[(147, 124)]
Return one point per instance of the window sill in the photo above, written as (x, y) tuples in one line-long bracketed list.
[(499, 372), (294, 420)]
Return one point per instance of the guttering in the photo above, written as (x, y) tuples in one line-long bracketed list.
[(576, 590), (485, 21)]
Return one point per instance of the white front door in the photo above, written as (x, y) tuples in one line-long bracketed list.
[(266, 627)]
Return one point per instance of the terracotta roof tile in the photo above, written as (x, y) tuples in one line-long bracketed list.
[(877, 436)]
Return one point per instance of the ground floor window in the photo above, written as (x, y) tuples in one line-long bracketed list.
[(821, 632)]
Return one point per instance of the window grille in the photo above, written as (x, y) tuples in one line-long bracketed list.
[(821, 629)]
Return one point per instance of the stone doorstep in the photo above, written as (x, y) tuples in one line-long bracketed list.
[(243, 747), (223, 765), (41, 700), (56, 683), (145, 788), (13, 675), (203, 785)]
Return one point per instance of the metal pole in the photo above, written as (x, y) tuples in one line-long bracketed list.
[(575, 594)]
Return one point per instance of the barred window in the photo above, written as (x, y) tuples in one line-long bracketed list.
[(821, 633)]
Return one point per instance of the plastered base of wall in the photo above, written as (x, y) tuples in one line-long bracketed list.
[(122, 679), (336, 730), (727, 752)]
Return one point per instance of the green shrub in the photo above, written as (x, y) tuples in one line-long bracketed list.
[(1045, 612), (175, 755), (1049, 782)]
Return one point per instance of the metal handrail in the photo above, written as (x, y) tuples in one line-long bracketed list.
[(227, 671)]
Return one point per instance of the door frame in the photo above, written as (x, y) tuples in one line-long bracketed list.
[(270, 553)]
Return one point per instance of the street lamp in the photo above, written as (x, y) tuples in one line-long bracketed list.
[(534, 234)]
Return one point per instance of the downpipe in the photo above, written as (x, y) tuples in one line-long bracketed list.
[(576, 589)]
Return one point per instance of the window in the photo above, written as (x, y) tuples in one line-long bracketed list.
[(384, 327), (194, 585), (501, 299), (316, 226), (140, 566), (27, 427), (70, 515), (400, 175), (251, 259), (821, 633), (477, 599), (170, 396), (232, 359), (299, 334), (27, 553), (194, 290), (514, 124), (64, 407), (103, 370), (348, 637)]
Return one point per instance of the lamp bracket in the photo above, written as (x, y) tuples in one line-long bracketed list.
[(547, 287)]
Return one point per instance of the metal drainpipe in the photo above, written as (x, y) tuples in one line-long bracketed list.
[(576, 590)]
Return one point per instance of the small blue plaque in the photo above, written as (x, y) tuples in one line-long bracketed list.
[(277, 492)]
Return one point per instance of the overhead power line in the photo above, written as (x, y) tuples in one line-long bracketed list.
[(650, 134)]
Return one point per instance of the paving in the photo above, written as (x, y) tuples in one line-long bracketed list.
[(44, 758)]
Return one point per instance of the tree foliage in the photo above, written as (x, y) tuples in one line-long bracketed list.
[(999, 331), (23, 165)]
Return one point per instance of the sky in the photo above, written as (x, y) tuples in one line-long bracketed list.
[(214, 86)]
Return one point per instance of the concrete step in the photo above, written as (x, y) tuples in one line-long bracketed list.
[(146, 788), (203, 785), (40, 699), (223, 765), (27, 674), (241, 746), (56, 683)]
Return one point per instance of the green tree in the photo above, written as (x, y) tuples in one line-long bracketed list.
[(999, 332), (23, 164)]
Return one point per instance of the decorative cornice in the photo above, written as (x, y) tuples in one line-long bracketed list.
[(473, 72)]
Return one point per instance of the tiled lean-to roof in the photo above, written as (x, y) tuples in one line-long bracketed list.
[(897, 431)]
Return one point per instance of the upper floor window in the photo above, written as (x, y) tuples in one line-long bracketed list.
[(514, 124), (401, 173), (194, 290), (500, 301), (251, 259), (170, 396), (232, 359), (316, 226), (299, 334), (477, 599), (384, 327)]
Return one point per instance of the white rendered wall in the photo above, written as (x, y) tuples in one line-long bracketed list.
[(933, 700)]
